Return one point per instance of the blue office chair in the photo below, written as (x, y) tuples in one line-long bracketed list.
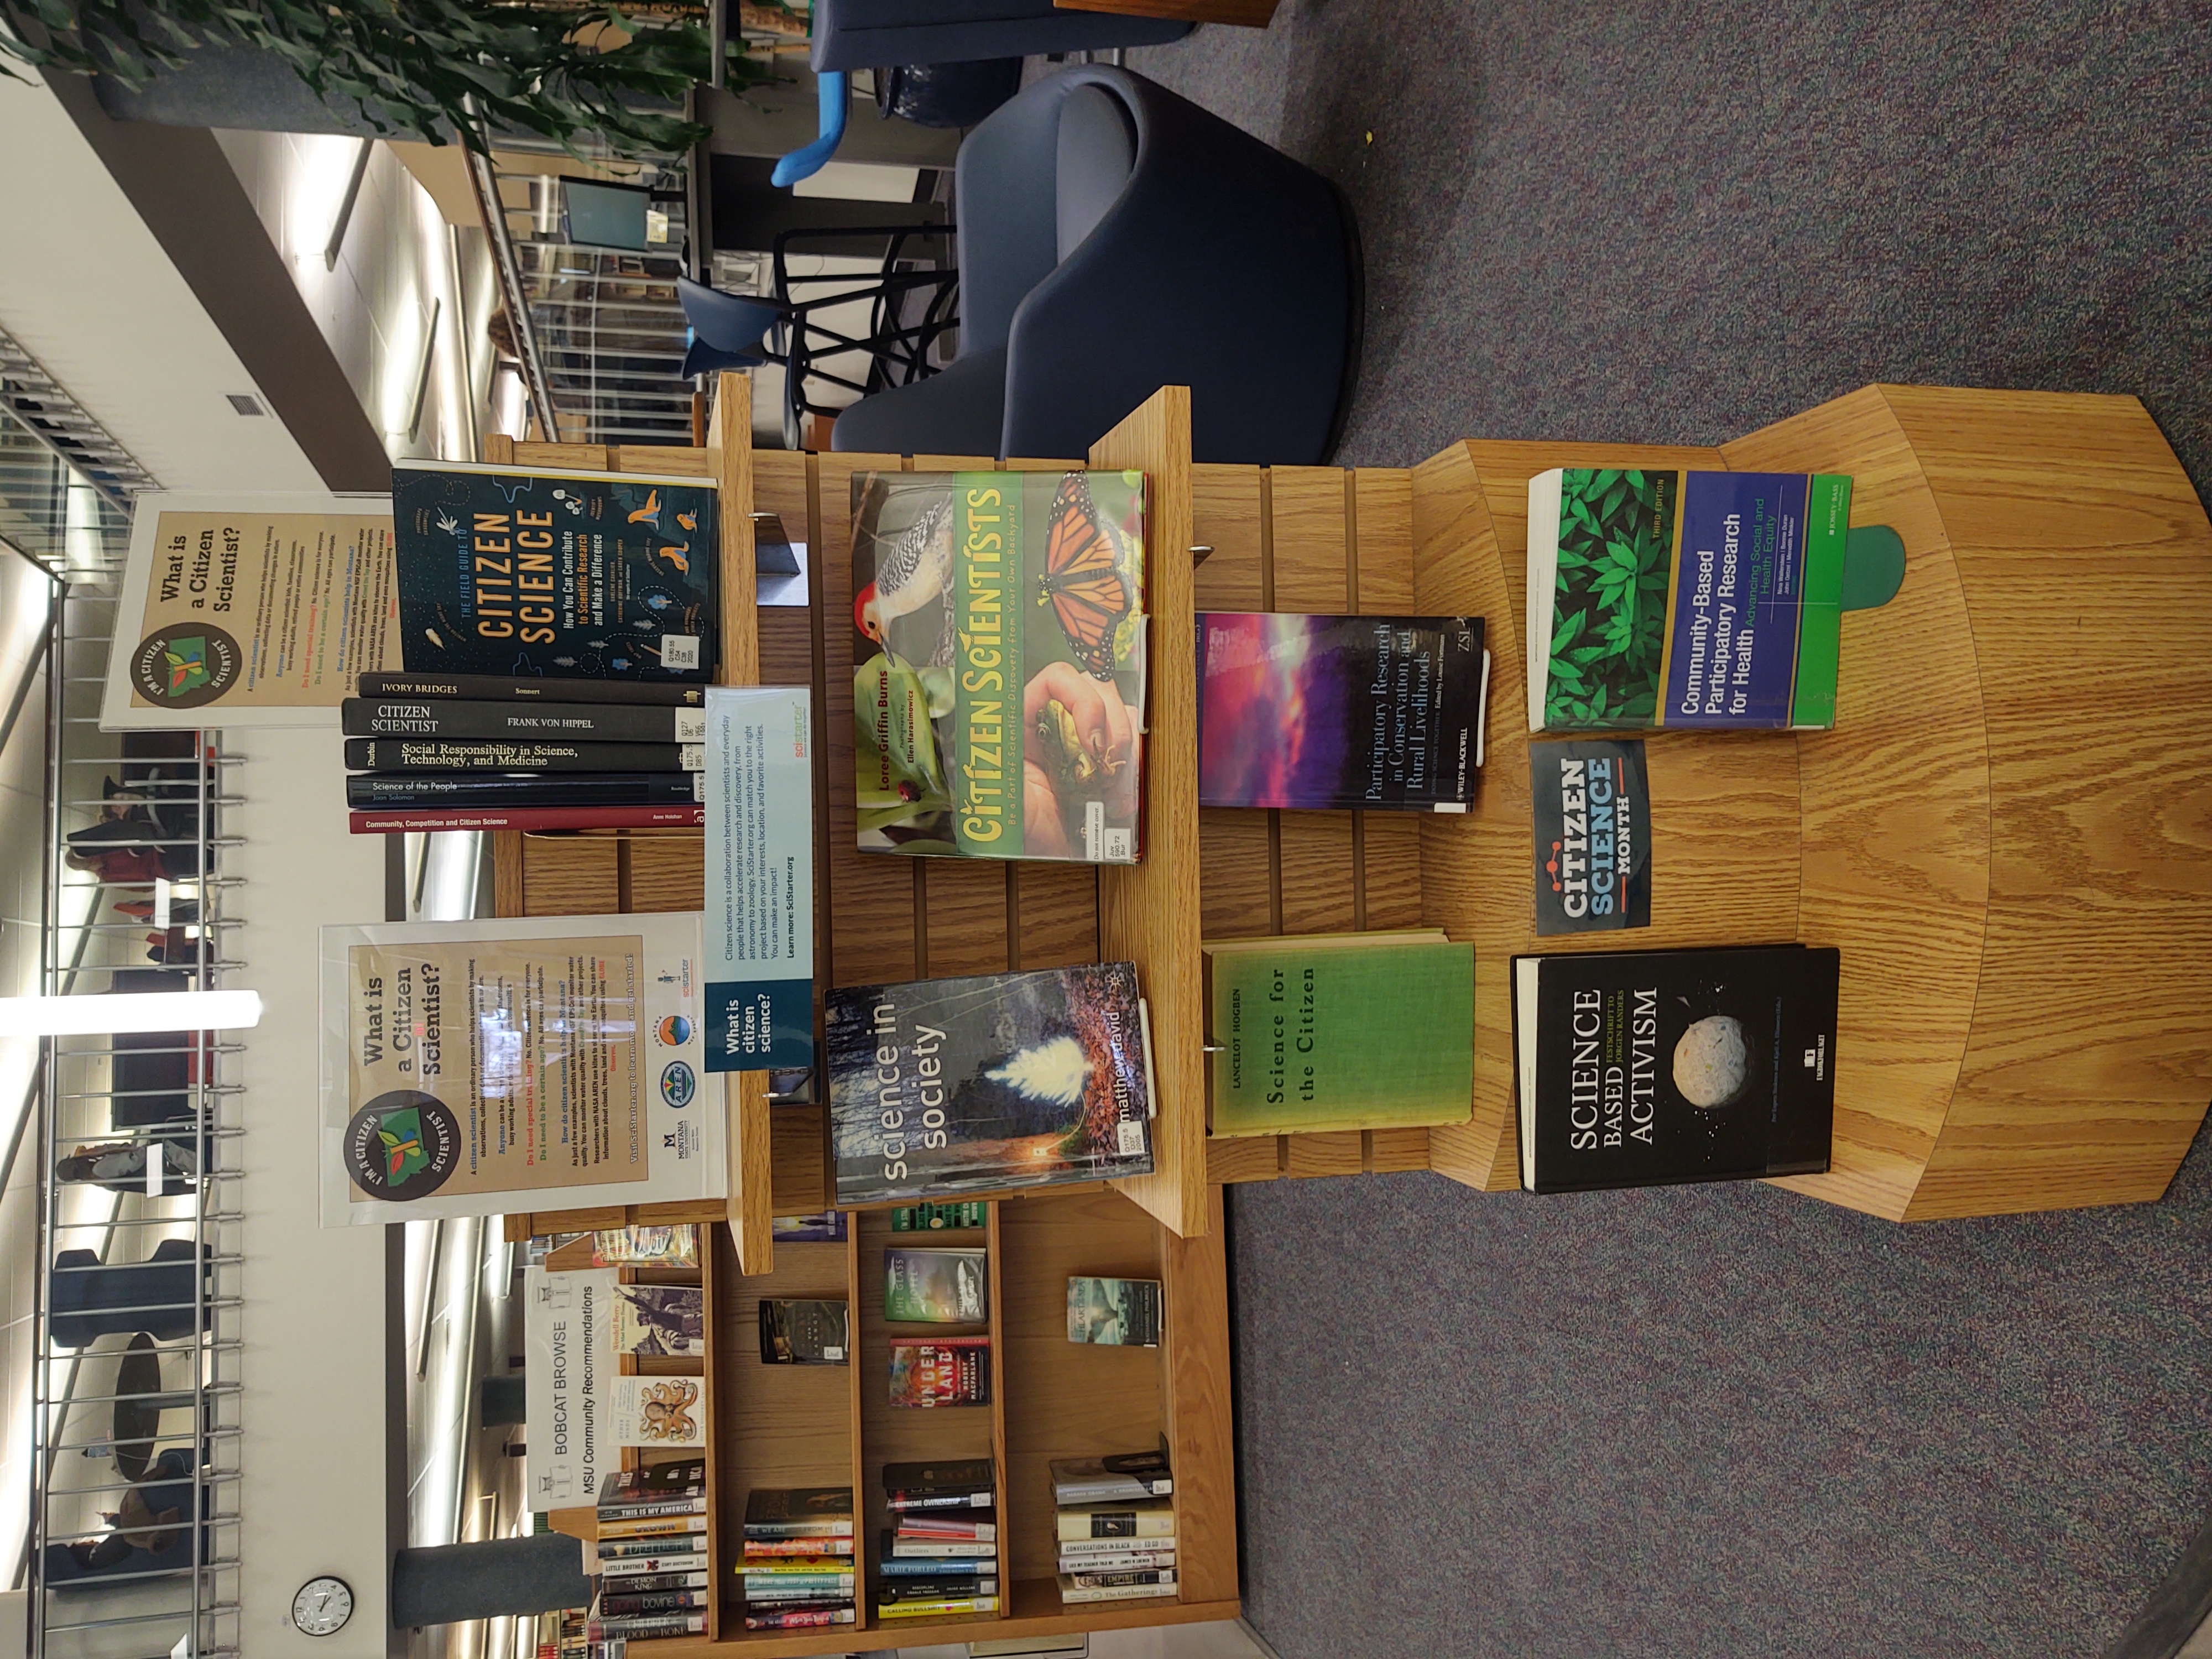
[(1115, 238), (728, 330)]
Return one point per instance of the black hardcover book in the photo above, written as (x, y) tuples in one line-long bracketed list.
[(586, 722), (951, 1085), (522, 571), (536, 688), (533, 754), (1648, 1068), (647, 1491), (803, 1332), (1383, 713), (656, 1601), (368, 790), (958, 1476)]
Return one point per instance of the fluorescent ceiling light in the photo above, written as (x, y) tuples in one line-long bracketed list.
[(142, 1011)]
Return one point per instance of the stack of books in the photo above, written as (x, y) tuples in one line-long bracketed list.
[(939, 1557), (1115, 1526), (654, 1574), (478, 752), (799, 1565)]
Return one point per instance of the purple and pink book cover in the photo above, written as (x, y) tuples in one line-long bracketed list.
[(1335, 712)]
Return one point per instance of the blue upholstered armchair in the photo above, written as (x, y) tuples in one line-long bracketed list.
[(855, 34), (1115, 238)]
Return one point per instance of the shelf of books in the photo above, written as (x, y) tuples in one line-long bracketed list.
[(975, 1418)]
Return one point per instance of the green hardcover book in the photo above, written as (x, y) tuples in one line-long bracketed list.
[(998, 663), (1699, 600), (1340, 1032)]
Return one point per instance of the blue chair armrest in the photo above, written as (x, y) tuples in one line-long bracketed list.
[(835, 90)]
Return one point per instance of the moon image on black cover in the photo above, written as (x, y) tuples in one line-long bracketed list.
[(1712, 1062)]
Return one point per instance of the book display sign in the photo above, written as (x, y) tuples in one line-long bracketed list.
[(252, 610), (570, 1370), (759, 1002), (1592, 810), (477, 1067)]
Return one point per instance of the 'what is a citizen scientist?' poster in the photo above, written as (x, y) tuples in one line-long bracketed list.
[(479, 1068)]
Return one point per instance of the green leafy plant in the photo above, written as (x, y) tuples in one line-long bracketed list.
[(430, 67), (1615, 531)]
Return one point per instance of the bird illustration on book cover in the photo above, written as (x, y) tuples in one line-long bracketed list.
[(1000, 1080), (998, 674)]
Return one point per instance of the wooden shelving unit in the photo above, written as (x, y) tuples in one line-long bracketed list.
[(881, 919)]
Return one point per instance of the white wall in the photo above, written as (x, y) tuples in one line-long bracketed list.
[(88, 291), (314, 1405)]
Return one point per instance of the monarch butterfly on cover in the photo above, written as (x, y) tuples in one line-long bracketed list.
[(1082, 581)]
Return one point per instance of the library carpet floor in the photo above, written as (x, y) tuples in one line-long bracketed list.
[(1726, 1421)]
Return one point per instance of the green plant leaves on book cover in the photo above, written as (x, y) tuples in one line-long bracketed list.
[(1616, 536)]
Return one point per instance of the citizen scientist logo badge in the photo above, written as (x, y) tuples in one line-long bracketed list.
[(678, 1084), (184, 665), (402, 1145), (673, 1031)]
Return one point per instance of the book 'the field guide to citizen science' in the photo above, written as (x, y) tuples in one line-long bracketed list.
[(998, 663), (1023, 1079), (251, 609), (1384, 713), (1647, 1068), (759, 921), (1592, 811), (525, 570), (1707, 600), (480, 1068), (585, 1410), (1339, 1031)]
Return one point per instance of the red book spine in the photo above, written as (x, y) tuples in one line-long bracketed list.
[(532, 817)]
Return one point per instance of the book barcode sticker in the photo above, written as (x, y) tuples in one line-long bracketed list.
[(680, 650), (1130, 1139), (832, 1353)]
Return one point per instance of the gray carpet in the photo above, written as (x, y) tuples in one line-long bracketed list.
[(1726, 1421)]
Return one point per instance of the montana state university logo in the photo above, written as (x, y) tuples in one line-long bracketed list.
[(402, 1145), (186, 665)]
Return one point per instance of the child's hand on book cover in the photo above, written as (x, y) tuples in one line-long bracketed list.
[(1079, 742)]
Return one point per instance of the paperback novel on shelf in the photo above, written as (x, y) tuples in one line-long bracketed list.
[(803, 1332), (520, 571), (1694, 599), (657, 1411), (661, 1321), (1380, 713), (1004, 1080), (823, 1227), (1146, 1518), (677, 1487), (784, 1512), (998, 652), (1120, 1477), (962, 1483), (1340, 1032), (937, 1287), (949, 1371), (939, 1218), (522, 820), (370, 791), (1117, 1312), (1645, 1068)]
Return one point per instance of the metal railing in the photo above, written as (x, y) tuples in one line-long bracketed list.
[(133, 1544)]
